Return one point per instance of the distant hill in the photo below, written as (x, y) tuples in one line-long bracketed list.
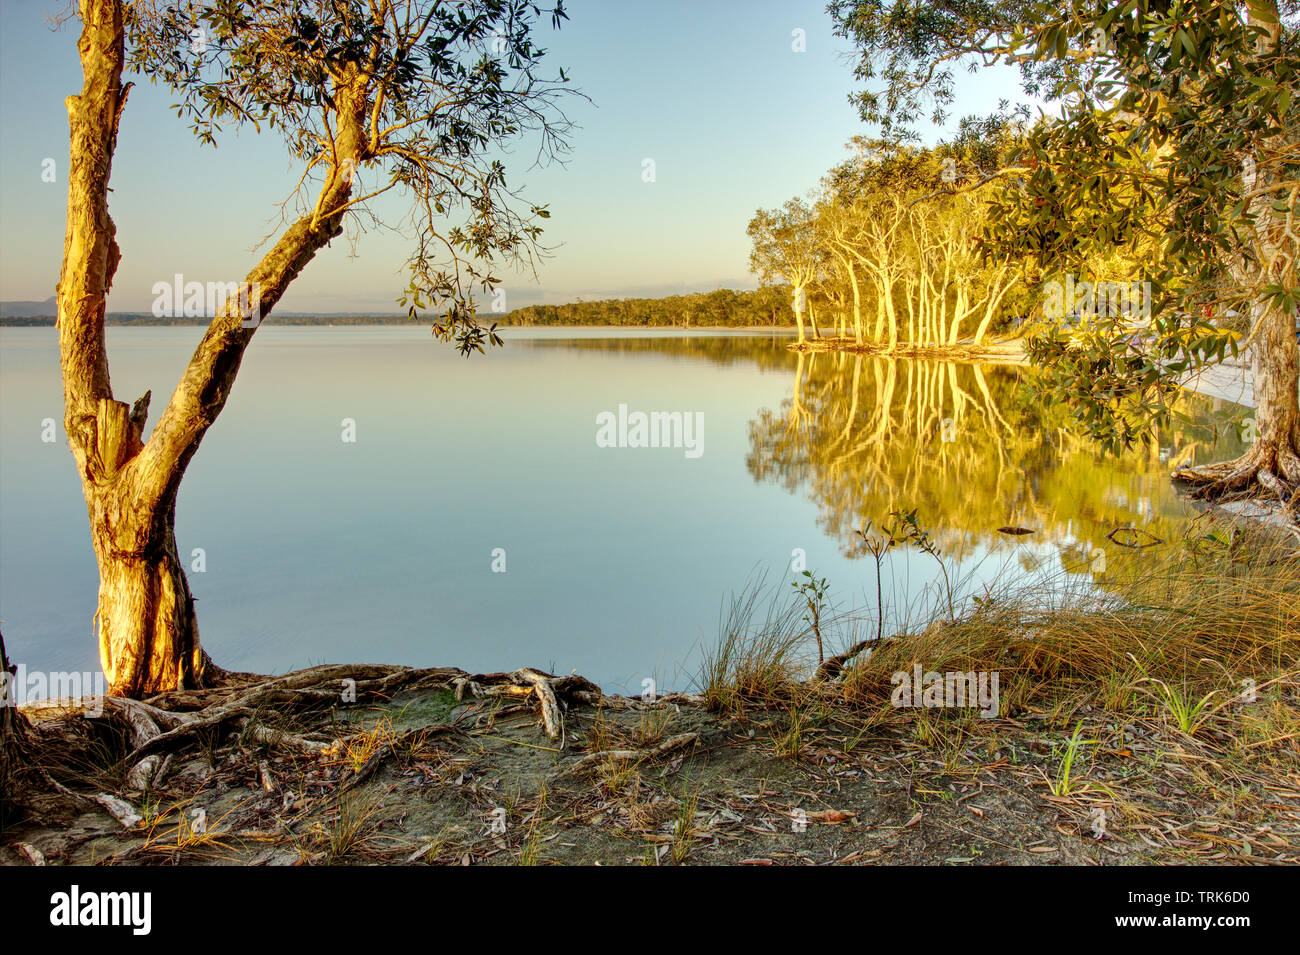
[(15, 309)]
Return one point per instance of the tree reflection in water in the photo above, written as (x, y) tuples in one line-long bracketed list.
[(969, 448)]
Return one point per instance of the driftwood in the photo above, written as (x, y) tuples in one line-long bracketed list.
[(549, 691), (671, 745), (33, 854)]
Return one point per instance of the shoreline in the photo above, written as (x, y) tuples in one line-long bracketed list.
[(1093, 751), (1223, 381), (1005, 351)]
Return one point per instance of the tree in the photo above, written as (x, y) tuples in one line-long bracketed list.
[(1177, 135), (1191, 112), (785, 248), (412, 95), (11, 735), (892, 223)]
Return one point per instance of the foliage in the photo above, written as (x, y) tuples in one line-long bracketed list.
[(414, 97), (1174, 148)]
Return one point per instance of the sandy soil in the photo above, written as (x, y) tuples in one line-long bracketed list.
[(436, 781)]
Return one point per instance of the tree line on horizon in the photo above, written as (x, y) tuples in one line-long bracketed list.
[(731, 308), (762, 307)]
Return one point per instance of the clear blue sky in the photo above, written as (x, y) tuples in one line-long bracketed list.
[(711, 91)]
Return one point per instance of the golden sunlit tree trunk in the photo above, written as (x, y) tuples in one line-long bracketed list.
[(147, 630), (429, 126), (1273, 459), (1001, 284)]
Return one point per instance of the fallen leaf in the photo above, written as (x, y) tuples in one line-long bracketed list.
[(832, 816)]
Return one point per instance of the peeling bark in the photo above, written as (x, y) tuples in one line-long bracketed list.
[(1273, 461), (147, 629)]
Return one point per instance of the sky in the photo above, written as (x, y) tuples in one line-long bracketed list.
[(734, 117)]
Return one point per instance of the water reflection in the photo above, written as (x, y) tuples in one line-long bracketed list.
[(968, 446)]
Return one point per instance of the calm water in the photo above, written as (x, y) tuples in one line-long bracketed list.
[(318, 549)]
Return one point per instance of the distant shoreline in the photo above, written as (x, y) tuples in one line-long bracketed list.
[(1010, 351)]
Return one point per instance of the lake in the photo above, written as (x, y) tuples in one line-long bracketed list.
[(369, 495)]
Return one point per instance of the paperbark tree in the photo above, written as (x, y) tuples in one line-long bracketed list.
[(785, 248), (1177, 134), (1206, 154), (416, 92), (1265, 266)]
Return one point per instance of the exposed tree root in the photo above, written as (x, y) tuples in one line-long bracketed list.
[(163, 724), (1263, 473), (671, 745), (833, 667), (547, 688)]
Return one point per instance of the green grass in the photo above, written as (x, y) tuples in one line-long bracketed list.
[(1064, 784)]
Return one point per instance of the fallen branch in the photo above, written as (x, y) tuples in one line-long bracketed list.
[(1132, 542), (670, 745)]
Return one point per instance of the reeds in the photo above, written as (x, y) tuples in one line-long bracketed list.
[(1179, 633)]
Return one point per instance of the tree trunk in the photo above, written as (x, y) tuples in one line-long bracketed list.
[(891, 317), (148, 634), (1276, 371), (1273, 460), (798, 311), (995, 299), (857, 306), (882, 292), (148, 638), (960, 310), (11, 734)]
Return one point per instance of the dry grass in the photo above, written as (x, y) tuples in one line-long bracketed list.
[(1186, 636), (1163, 703), (358, 749), (1183, 641), (754, 661)]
